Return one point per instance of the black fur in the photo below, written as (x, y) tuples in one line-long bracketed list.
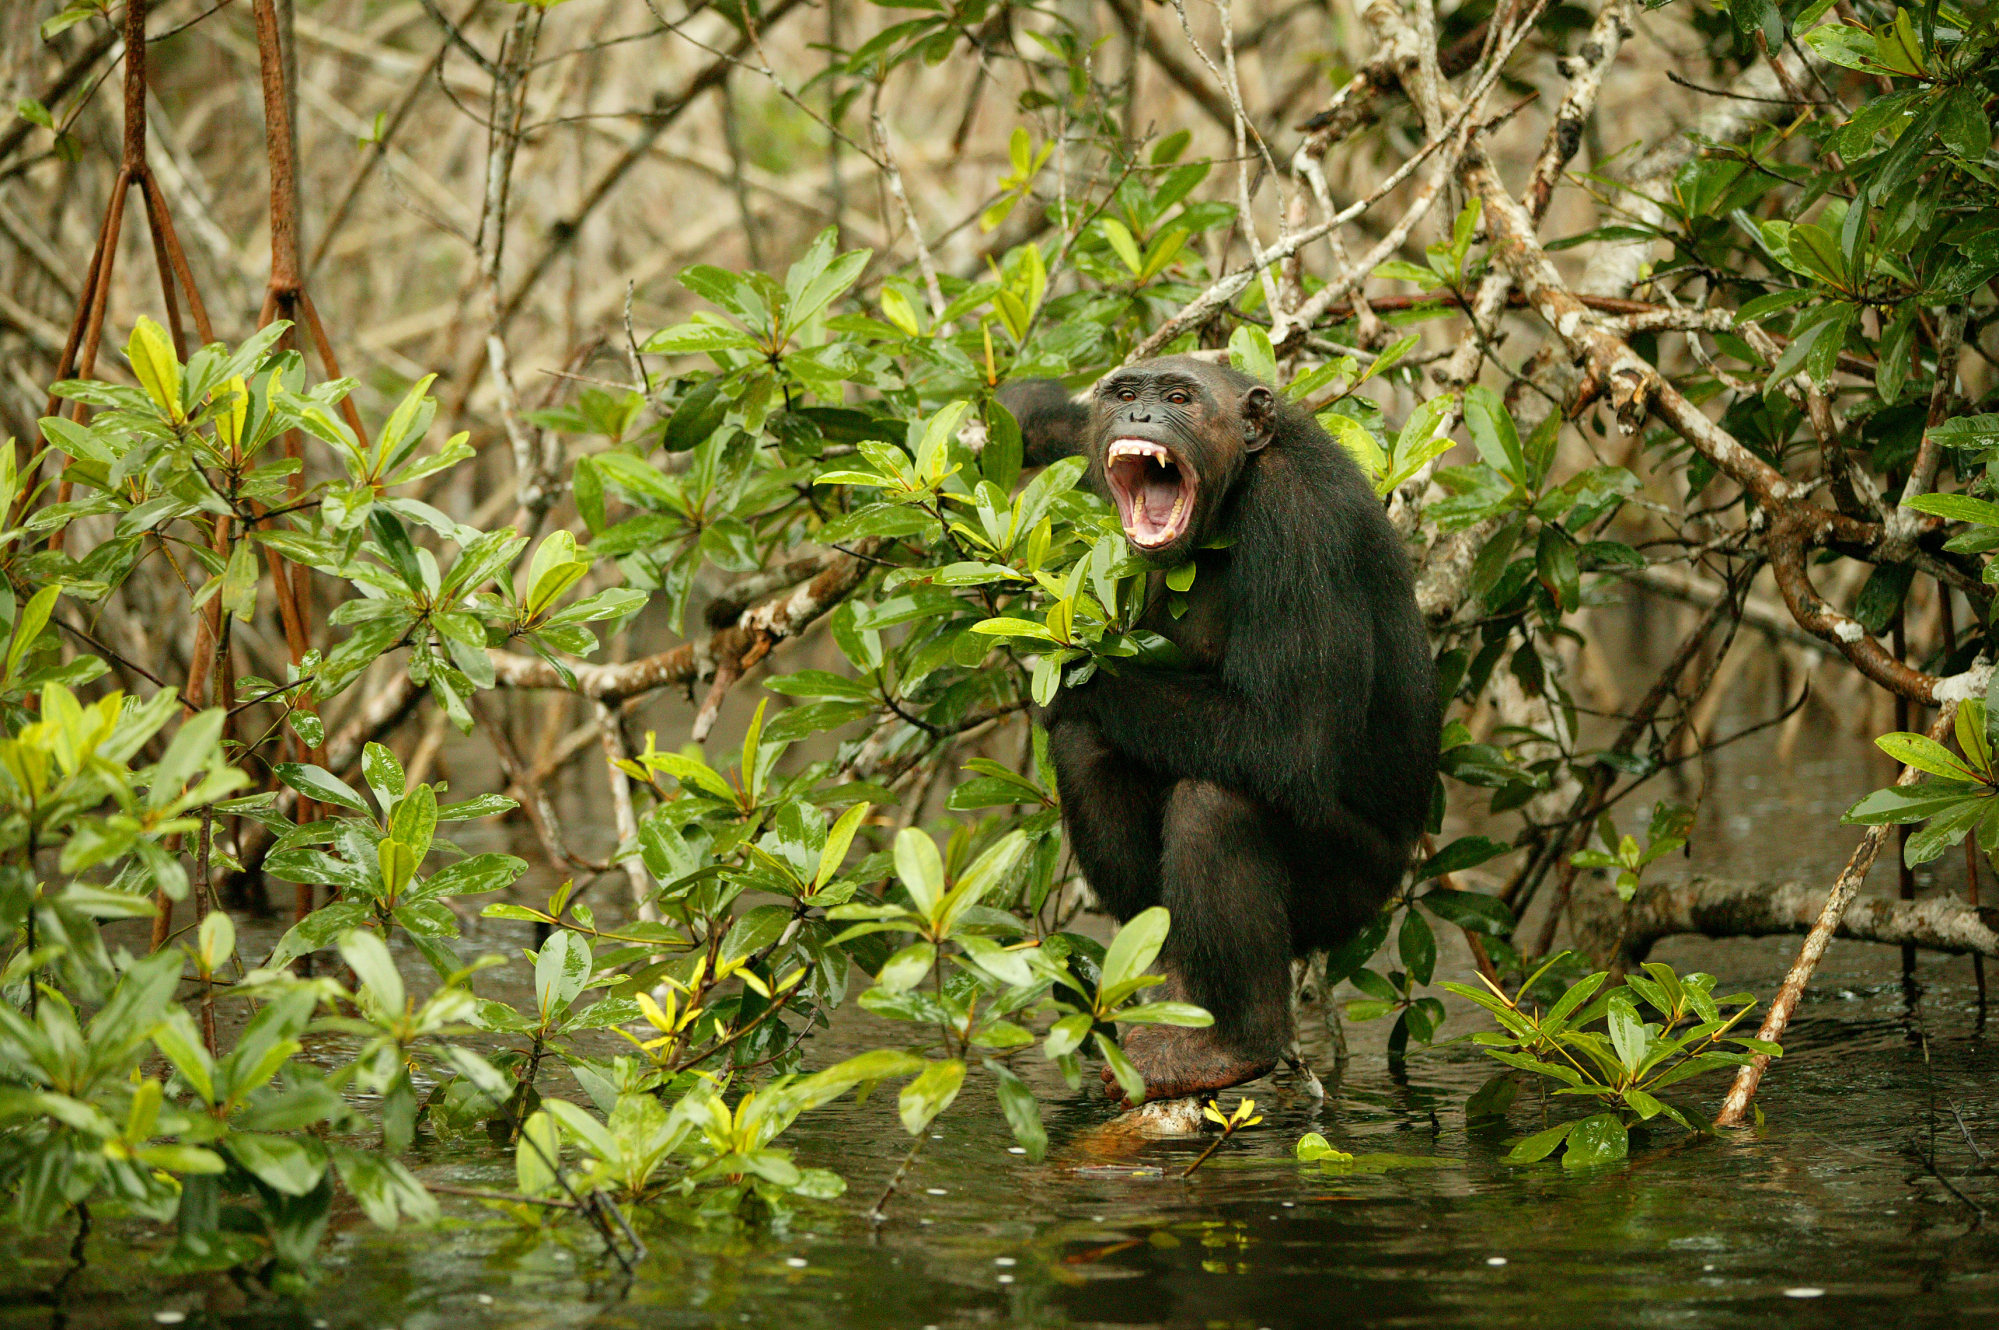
[(1270, 793), (1052, 425)]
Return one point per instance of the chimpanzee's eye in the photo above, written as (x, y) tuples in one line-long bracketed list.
[(1177, 397), (1126, 395)]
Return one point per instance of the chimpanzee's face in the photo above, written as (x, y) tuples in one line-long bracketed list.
[(1170, 437)]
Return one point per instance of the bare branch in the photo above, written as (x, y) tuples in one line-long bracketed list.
[(1617, 933), (735, 647), (1837, 901)]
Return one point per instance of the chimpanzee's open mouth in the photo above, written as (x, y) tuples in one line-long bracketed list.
[(1154, 490)]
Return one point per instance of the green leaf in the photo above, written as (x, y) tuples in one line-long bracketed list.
[(1066, 1036), (28, 627), (1136, 945), (1967, 432), (1312, 1147), (369, 958), (1122, 241), (151, 353), (1971, 735), (180, 1044), (1627, 1034), (1579, 993), (1492, 432), (985, 873), (1473, 911), (1351, 435), (818, 278), (1417, 946), (467, 877), (1912, 803), (586, 1131), (1250, 353), (28, 108), (920, 868), (215, 941), (863, 1068), (537, 1155), (398, 865), (907, 968), (1127, 1075), (1022, 1110), (932, 453), (1601, 1139), (63, 21), (700, 413), (414, 821), (696, 338), (1924, 754), (1555, 561), (316, 782), (1843, 45), (1005, 627), (561, 972), (1962, 125), (385, 1190), (1462, 853), (838, 841), (1401, 270), (930, 1094), (285, 1164), (1008, 966), (1945, 830), (1955, 508)]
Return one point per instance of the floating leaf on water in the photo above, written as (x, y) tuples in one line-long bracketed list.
[(1313, 1147)]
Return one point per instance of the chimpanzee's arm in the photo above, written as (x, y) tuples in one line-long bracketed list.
[(1052, 425), (1289, 746)]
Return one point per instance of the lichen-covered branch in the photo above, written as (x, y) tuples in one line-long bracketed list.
[(1618, 933), (732, 649)]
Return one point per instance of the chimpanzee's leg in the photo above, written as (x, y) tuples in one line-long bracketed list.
[(1111, 808), (1223, 876)]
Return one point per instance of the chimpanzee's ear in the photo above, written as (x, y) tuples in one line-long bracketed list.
[(1259, 417)]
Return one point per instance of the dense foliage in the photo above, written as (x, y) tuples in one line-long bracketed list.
[(824, 444)]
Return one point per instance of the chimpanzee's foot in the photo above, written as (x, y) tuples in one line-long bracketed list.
[(1177, 1061)]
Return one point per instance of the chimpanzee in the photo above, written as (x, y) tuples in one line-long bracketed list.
[(1268, 789)]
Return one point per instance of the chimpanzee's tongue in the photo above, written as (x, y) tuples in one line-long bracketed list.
[(1158, 505), (1160, 494)]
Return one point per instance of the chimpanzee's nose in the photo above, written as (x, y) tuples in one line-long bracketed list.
[(1138, 415)]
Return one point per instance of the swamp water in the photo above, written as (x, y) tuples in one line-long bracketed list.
[(1857, 1204)]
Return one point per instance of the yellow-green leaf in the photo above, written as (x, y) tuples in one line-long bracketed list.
[(151, 352)]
